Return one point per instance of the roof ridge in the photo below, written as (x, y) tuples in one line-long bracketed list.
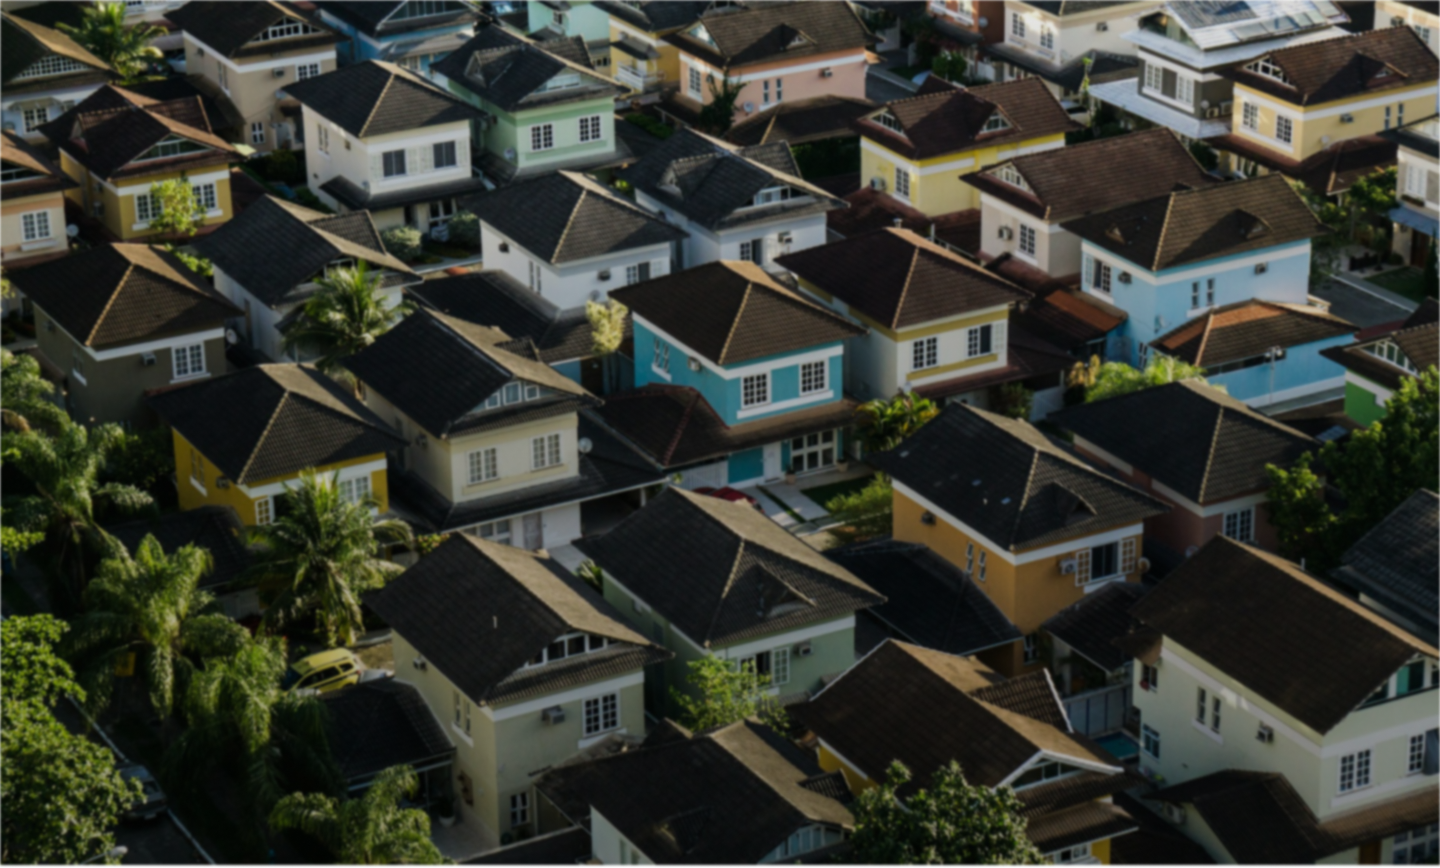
[(1205, 333), (680, 428), (735, 322), (1210, 453), (569, 222), (1026, 493), (390, 79), (119, 285), (729, 582), (274, 415), (1164, 228), (905, 290)]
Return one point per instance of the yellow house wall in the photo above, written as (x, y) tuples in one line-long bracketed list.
[(12, 227), (120, 211), (941, 191), (1316, 123), (857, 782), (668, 63)]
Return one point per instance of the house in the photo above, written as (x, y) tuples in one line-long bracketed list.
[(739, 203), (757, 355), (1183, 48), (1419, 15), (559, 19), (1064, 43), (523, 663), (243, 439), (1196, 448), (926, 709), (1025, 200), (382, 723), (547, 108), (912, 147), (1092, 674), (118, 143), (409, 35), (1036, 527), (216, 529), (939, 324), (969, 24), (1260, 769), (251, 51), (1298, 107), (387, 141), (120, 320), (641, 58), (708, 577), (740, 794), (804, 121), (801, 49), (1173, 258), (45, 73), (495, 444), (32, 203), (1383, 357), (1416, 216), (571, 239), (1393, 567), (267, 262)]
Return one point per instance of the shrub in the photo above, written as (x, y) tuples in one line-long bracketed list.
[(464, 230), (403, 242), (281, 165)]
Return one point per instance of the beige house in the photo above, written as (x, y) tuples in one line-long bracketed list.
[(32, 203), (250, 51)]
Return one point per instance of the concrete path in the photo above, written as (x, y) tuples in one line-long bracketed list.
[(567, 556)]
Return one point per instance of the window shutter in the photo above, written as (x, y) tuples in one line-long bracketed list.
[(1432, 186), (1082, 567), (659, 267), (1127, 556), (997, 338), (426, 156), (412, 159), (462, 151), (377, 166), (1432, 752)]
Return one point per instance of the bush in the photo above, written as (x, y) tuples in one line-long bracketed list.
[(281, 165), (403, 242), (142, 458), (866, 513), (464, 230)]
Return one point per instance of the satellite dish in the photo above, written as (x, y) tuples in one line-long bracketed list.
[(72, 231), (231, 337), (1204, 103), (749, 107), (585, 445), (510, 154)]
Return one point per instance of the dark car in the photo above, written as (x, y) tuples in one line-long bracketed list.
[(153, 803)]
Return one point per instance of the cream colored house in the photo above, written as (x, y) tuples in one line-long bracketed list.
[(32, 203)]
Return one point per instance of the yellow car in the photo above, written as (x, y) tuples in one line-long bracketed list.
[(323, 671)]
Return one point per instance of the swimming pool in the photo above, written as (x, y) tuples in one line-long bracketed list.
[(1121, 746)]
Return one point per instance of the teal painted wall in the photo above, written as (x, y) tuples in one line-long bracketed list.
[(749, 464)]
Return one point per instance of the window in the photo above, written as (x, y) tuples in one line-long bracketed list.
[(969, 557), (995, 123), (902, 182), (484, 465), (1267, 67), (695, 81), (441, 212), (1215, 703), (495, 531), (1010, 175), (1200, 705), (205, 197), (1185, 89), (981, 575), (780, 89), (1419, 846), (544, 451), (1415, 759), (1154, 76), (306, 70), (1017, 25), (1354, 771), (34, 117), (394, 163), (558, 18), (1387, 117), (590, 129), (1149, 678), (224, 75), (1100, 276), (1078, 853), (636, 273), (264, 510), (1104, 562), (542, 137), (765, 92), (1250, 116), (1031, 645), (354, 490), (780, 666), (1284, 129), (322, 138), (1027, 240), (662, 356), (568, 645), (282, 31), (602, 713), (519, 809), (1391, 353), (1150, 741), (52, 64), (889, 122), (35, 225), (753, 251), (444, 155), (1202, 294), (257, 133), (978, 341), (805, 840), (189, 361), (812, 378), (1047, 37), (424, 8), (147, 207), (755, 390), (812, 452), (772, 194), (925, 353), (171, 147), (1240, 524)]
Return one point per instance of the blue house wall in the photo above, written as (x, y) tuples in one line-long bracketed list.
[(1302, 367)]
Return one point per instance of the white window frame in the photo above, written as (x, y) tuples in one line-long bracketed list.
[(902, 182), (1199, 299), (188, 361), (1154, 77), (322, 138), (1071, 855), (1185, 89), (306, 70), (1029, 646), (976, 338), (499, 531), (1017, 25), (483, 465), (1150, 740), (1355, 771), (606, 714), (1285, 129), (1240, 525), (1425, 839), (814, 377), (542, 137), (817, 444), (1250, 116), (257, 132), (519, 809), (661, 361), (1026, 243), (924, 354), (265, 510), (696, 82), (755, 390), (354, 490), (590, 129), (35, 225), (545, 452), (36, 117)]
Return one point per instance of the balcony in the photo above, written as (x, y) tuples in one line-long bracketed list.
[(638, 79)]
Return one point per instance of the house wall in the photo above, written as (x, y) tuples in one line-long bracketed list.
[(251, 83), (1302, 372), (569, 284), (798, 81), (361, 47), (1057, 252), (512, 132), (606, 843), (1364, 399), (704, 246), (1426, 23), (1417, 185), (935, 185), (1208, 90), (116, 201), (1074, 34), (582, 19), (57, 98), (667, 65), (13, 246), (1320, 125)]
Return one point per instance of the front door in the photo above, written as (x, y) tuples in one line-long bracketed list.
[(772, 461), (534, 532)]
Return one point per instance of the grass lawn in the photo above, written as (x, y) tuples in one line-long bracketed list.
[(1407, 281), (823, 494)]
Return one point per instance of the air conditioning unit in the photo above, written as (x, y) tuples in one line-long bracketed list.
[(605, 275), (1102, 26), (785, 238), (504, 247), (827, 72), (877, 183), (1005, 233), (1265, 734), (1397, 21), (1124, 277), (1213, 112), (804, 649), (1069, 566), (553, 715), (147, 359), (1262, 267), (1173, 813), (222, 482), (927, 517), (1347, 119), (278, 72)]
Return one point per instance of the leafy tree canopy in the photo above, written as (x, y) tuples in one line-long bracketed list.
[(180, 211), (1117, 378), (866, 513), (729, 691), (370, 830), (884, 423), (104, 32)]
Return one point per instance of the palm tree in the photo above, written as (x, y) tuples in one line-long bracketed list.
[(65, 472), (238, 714), (149, 606), (321, 554), (103, 31), (370, 830), (347, 315), (25, 396), (886, 423)]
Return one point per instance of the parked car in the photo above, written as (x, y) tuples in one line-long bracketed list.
[(732, 495), (153, 803), (323, 671)]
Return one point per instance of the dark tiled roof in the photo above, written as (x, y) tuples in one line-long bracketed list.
[(20, 154), (298, 243), (702, 563), (733, 312), (272, 421), (928, 600), (1247, 329), (774, 32), (728, 796), (217, 529), (1090, 625), (1194, 225), (799, 121), (903, 280), (1067, 318), (1062, 8), (375, 98), (1082, 824), (654, 16), (509, 71), (1065, 183), (24, 43), (479, 611), (677, 427), (370, 16), (1156, 842), (1396, 562), (1010, 482), (1414, 136), (1328, 171), (1352, 65), (1194, 438), (709, 181), (124, 294), (1418, 337), (378, 724), (952, 120), (566, 216), (1070, 75), (872, 209), (556, 848), (229, 27), (924, 708), (1219, 605)]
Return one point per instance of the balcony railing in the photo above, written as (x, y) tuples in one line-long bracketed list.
[(634, 78)]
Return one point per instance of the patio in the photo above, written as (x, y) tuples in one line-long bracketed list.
[(468, 838), (786, 503)]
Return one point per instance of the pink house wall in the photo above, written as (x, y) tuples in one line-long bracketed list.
[(847, 79)]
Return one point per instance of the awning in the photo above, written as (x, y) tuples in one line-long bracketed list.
[(1415, 220)]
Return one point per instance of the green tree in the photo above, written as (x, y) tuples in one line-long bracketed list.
[(729, 691), (348, 314), (464, 230), (884, 423), (193, 261), (180, 211), (65, 473), (148, 614), (1302, 520), (142, 459), (949, 65), (718, 115), (1016, 401), (321, 554), (403, 242), (591, 574), (866, 513), (952, 822), (103, 32), (26, 396), (1117, 378), (370, 830), (607, 325)]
